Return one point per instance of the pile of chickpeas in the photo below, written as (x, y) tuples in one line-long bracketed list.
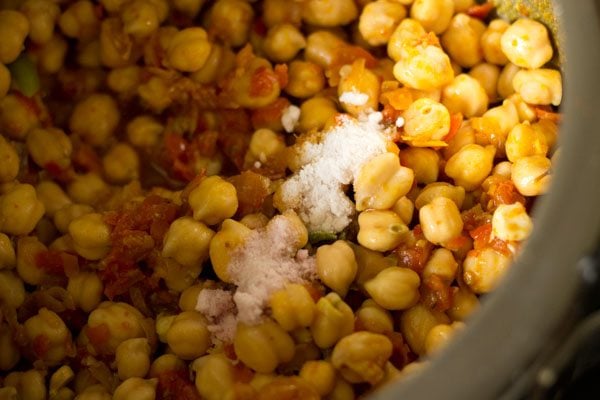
[(143, 140)]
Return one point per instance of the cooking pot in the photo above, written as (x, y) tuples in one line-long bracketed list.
[(531, 327)]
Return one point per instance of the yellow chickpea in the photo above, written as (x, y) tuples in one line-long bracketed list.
[(283, 42), (441, 264), (380, 230), (231, 235), (424, 67), (121, 320), (505, 80), (144, 131), (230, 20), (531, 175), (49, 146), (86, 290), (29, 384), (115, 45), (425, 120), (358, 88), (434, 15), (8, 258), (214, 200), (524, 141), (470, 165), (526, 43), (89, 55), (140, 18), (336, 266), (539, 86), (136, 389), (9, 168), (121, 164), (91, 236), (27, 248), (462, 40), (133, 358), (12, 291), (292, 307), (378, 20), (424, 162), (64, 215), (465, 95), (320, 375), (329, 12), (483, 269), (79, 21), (88, 189), (51, 56), (487, 75), (9, 352), (4, 80), (214, 375), (263, 347), (95, 119), (440, 335), (415, 324), (47, 326), (394, 288), (188, 336), (360, 357), (42, 16), (20, 210), (189, 49), (490, 42), (315, 113), (333, 320), (464, 303), (440, 220), (14, 28), (16, 117), (187, 242)]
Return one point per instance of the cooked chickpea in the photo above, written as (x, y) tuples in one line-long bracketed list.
[(465, 95), (394, 288), (283, 42), (5, 80), (14, 28), (510, 222), (374, 318), (329, 12), (213, 200), (241, 87), (189, 49), (264, 145), (426, 120), (52, 197), (86, 290), (524, 141), (439, 336), (64, 215), (434, 15), (121, 164), (424, 162), (214, 375), (292, 307), (360, 357), (415, 324), (320, 375), (9, 352), (440, 220), (336, 266), (136, 389), (441, 264), (333, 320), (59, 379), (42, 16), (540, 86), (124, 80), (526, 43), (315, 113), (379, 19), (27, 248), (505, 80), (487, 75), (91, 236), (381, 182), (187, 242), (47, 327), (464, 303), (526, 111), (133, 358), (79, 21), (16, 117), (49, 147), (263, 347), (8, 258), (531, 175), (95, 119), (20, 210), (380, 230), (483, 269), (12, 291), (88, 189), (490, 42), (29, 385), (470, 165), (188, 336), (231, 235), (144, 131), (120, 320), (51, 55), (89, 55), (140, 18), (462, 40), (424, 67), (230, 20), (9, 167)]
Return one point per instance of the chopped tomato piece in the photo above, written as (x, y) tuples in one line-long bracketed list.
[(547, 113), (175, 385), (262, 82), (40, 345), (252, 190), (269, 115), (455, 123), (98, 335), (436, 293), (281, 72), (480, 11)]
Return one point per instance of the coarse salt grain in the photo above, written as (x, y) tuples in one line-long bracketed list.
[(354, 98), (316, 191), (219, 309), (400, 122), (290, 118)]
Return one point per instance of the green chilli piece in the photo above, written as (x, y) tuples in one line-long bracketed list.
[(321, 236), (24, 75)]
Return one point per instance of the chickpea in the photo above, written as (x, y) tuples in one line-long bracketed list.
[(79, 21), (424, 162), (91, 236), (86, 290), (526, 43), (465, 95), (88, 189), (4, 80), (425, 67), (121, 164), (360, 357), (124, 80), (378, 20), (439, 336), (333, 320), (187, 242), (103, 111), (263, 347), (394, 288), (133, 358), (188, 336), (434, 15), (374, 318), (540, 86), (115, 45), (16, 117), (336, 266), (42, 16), (279, 11), (49, 147), (230, 21), (119, 320), (140, 18), (464, 303), (292, 307), (306, 79), (440, 220), (9, 168), (483, 269), (231, 235), (462, 40), (490, 42), (531, 175), (27, 248), (315, 113), (380, 230), (14, 28), (136, 389), (220, 62), (188, 7), (8, 259), (189, 49), (470, 165), (415, 324), (214, 375), (487, 75), (505, 80), (51, 56), (283, 42), (426, 120), (29, 385), (46, 327), (9, 352), (12, 291), (20, 210), (329, 12)]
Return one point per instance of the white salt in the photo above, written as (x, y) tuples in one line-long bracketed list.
[(354, 98), (290, 118)]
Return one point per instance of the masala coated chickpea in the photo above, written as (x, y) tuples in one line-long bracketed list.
[(12, 291), (434, 15), (540, 86), (524, 141), (27, 268), (380, 230), (378, 20), (440, 220), (189, 49), (424, 67), (214, 375), (48, 327), (333, 320), (91, 236), (329, 13), (124, 80), (465, 95), (426, 120), (415, 324), (119, 320), (188, 337), (49, 146), (283, 42), (483, 269), (187, 241), (140, 18), (86, 289), (79, 21), (29, 385), (100, 108), (14, 28), (394, 288), (264, 346), (20, 210), (306, 79)]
